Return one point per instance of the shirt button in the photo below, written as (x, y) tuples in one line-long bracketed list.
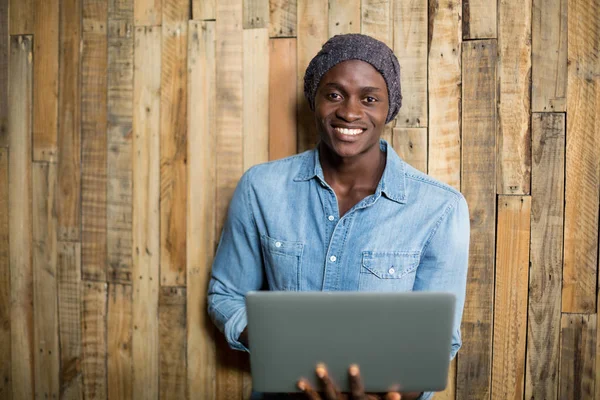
[(277, 244), (391, 271), (331, 218), (332, 258)]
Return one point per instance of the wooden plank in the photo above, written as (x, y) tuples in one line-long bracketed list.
[(20, 94), (479, 19), (450, 392), (411, 146), (577, 358), (69, 123), (4, 50), (282, 98), (514, 87), (549, 55), (255, 14), (445, 81), (478, 186), (172, 337), (5, 375), (545, 273), (94, 68), (173, 138), (147, 12), (21, 17), (410, 46), (312, 34), (256, 97), (69, 317), (201, 205), (119, 137), (146, 216), (45, 80), (204, 9), (282, 21), (93, 340), (45, 290), (583, 152), (344, 17), (119, 323), (510, 304), (376, 20)]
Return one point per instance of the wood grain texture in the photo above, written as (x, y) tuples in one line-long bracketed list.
[(173, 142), (450, 392), (146, 215), (148, 12), (93, 340), (282, 98), (21, 17), (344, 17), (478, 186), (4, 51), (513, 156), (256, 97), (201, 206), (20, 103), (583, 153), (172, 338), (69, 122), (510, 304), (119, 139), (410, 46), (255, 14), (577, 357), (45, 290), (545, 273), (312, 34), (411, 146), (479, 19), (45, 80), (94, 60), (119, 323), (549, 55), (69, 317), (444, 49), (204, 9), (5, 342), (282, 20), (376, 20)]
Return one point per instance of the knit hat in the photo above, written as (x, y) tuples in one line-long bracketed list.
[(355, 46)]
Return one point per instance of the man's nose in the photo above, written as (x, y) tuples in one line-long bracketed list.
[(349, 110)]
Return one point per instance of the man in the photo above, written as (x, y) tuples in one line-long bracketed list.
[(349, 215)]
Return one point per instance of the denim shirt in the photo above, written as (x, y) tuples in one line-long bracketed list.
[(284, 232)]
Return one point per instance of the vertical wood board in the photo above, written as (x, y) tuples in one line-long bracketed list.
[(479, 19), (344, 17), (119, 324), (20, 17), (93, 340), (577, 357), (172, 348), (204, 9), (282, 21), (4, 51), (376, 20), (411, 146), (148, 12), (255, 14), (5, 342)]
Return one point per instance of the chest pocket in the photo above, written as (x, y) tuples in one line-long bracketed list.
[(388, 271), (282, 261)]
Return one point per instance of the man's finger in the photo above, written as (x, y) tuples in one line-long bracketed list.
[(308, 390), (329, 389), (393, 396), (356, 386)]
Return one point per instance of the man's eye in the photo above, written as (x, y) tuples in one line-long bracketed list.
[(334, 96), (371, 99)]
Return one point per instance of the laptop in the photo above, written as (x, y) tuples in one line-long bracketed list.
[(400, 341)]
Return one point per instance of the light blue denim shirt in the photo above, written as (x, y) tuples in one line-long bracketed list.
[(284, 232)]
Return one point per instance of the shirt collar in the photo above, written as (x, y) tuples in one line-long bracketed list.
[(392, 183)]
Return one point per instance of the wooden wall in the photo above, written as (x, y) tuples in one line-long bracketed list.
[(129, 122)]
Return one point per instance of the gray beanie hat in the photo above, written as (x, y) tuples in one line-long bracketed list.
[(355, 46)]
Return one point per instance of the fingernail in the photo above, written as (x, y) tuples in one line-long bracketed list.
[(320, 370), (394, 396), (353, 370), (301, 385)]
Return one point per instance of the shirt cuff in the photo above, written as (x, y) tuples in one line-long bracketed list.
[(425, 396), (234, 327)]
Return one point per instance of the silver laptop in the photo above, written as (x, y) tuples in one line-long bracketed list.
[(401, 341)]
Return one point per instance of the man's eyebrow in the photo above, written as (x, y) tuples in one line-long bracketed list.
[(371, 89)]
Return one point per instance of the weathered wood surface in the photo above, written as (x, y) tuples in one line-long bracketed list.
[(583, 153), (204, 9), (549, 55), (479, 19), (20, 103), (201, 199), (146, 215), (173, 142), (376, 20), (255, 14), (411, 146), (344, 17), (478, 186), (21, 17), (172, 338), (282, 21), (5, 342), (119, 320), (282, 98), (577, 356), (93, 340), (510, 303), (545, 273), (148, 12), (4, 51)]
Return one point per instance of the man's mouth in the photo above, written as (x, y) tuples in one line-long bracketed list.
[(349, 131)]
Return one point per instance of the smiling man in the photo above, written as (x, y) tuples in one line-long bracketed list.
[(349, 215)]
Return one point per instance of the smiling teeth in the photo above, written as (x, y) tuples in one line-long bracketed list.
[(350, 132)]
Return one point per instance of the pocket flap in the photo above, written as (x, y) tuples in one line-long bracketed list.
[(282, 246), (390, 265)]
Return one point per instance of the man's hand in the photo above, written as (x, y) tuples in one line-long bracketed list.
[(331, 392)]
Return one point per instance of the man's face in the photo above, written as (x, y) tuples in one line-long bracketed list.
[(351, 107)]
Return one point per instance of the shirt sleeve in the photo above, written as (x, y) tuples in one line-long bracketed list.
[(237, 268)]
